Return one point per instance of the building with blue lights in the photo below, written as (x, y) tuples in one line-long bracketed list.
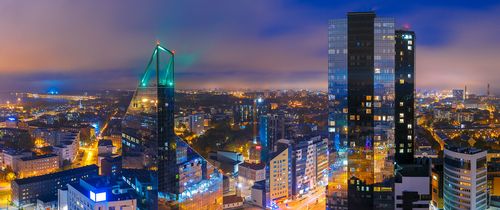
[(97, 194), (361, 112)]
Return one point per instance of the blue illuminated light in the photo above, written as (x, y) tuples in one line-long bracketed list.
[(407, 36), (11, 119)]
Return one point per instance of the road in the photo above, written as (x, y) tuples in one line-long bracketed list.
[(315, 200), (4, 194)]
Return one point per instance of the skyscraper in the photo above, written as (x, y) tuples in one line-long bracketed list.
[(271, 129), (405, 96), (181, 177), (361, 112)]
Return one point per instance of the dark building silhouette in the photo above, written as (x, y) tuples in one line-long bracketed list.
[(405, 95)]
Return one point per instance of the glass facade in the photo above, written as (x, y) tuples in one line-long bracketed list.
[(180, 178), (361, 112)]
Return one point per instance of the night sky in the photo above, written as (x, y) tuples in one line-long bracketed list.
[(94, 44)]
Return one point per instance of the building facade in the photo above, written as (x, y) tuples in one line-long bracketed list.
[(179, 175), (404, 87), (27, 191), (465, 179), (361, 112)]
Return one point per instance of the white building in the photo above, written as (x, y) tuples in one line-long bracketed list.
[(68, 146), (465, 179), (97, 194)]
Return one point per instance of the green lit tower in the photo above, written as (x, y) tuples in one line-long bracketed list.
[(175, 176)]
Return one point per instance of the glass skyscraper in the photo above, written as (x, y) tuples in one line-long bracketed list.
[(179, 177), (361, 112)]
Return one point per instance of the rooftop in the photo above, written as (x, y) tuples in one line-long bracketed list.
[(253, 166), (56, 175), (38, 157), (465, 150)]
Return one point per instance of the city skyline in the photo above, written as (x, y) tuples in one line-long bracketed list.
[(278, 46)]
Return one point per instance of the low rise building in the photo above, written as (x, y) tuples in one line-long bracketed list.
[(37, 165), (26, 191)]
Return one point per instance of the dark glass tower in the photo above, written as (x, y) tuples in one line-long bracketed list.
[(405, 96), (361, 112), (177, 176)]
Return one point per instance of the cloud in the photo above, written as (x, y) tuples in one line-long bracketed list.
[(228, 44)]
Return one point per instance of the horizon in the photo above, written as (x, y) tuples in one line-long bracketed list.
[(279, 46)]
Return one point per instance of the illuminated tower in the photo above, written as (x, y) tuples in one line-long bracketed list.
[(180, 178), (405, 95), (361, 112)]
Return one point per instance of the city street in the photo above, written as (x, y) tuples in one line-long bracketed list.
[(316, 200), (4, 194)]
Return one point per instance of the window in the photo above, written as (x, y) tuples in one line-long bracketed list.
[(410, 48), (401, 103), (409, 75), (401, 81)]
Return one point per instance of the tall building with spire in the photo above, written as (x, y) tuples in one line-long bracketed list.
[(178, 177), (361, 112)]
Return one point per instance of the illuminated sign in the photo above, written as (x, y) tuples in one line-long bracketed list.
[(407, 36), (98, 197), (11, 119)]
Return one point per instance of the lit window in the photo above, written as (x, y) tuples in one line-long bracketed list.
[(410, 42), (401, 103), (401, 81), (409, 75), (377, 70), (401, 115), (368, 98), (401, 120), (409, 126), (368, 111), (409, 47)]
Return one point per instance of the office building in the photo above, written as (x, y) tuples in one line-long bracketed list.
[(458, 94), (27, 191), (196, 123), (279, 176), (181, 177), (361, 112), (308, 164), (97, 194), (271, 129), (37, 165), (404, 87), (465, 179)]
